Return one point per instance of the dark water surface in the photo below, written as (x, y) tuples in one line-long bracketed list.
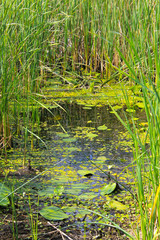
[(80, 139), (78, 123)]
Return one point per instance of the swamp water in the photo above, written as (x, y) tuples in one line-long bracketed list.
[(87, 147)]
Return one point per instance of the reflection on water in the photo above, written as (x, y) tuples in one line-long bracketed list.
[(84, 143), (80, 122)]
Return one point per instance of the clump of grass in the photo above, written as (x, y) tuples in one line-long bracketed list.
[(26, 30), (146, 150)]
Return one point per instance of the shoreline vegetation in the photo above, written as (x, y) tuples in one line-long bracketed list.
[(85, 45)]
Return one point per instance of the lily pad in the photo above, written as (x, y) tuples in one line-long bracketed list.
[(53, 213), (86, 172), (77, 188), (4, 192), (48, 192), (70, 139), (118, 205), (87, 195), (82, 213), (73, 191), (51, 191), (102, 128), (108, 189), (101, 159), (68, 209), (62, 135)]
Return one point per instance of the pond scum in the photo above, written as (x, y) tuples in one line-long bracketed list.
[(85, 45)]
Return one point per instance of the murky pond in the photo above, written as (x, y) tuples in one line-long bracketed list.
[(86, 148)]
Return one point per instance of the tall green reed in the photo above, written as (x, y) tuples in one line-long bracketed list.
[(143, 69), (26, 32)]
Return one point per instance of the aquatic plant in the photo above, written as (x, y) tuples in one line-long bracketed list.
[(146, 149)]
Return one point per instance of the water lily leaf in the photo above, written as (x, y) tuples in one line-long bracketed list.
[(62, 134), (73, 191), (53, 213), (68, 209), (101, 159), (61, 180), (118, 205), (4, 191), (80, 186), (51, 191), (87, 195), (70, 139), (103, 127), (108, 189), (77, 188), (85, 172), (48, 192), (82, 212)]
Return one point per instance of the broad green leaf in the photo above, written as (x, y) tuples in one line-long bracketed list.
[(103, 127), (48, 192), (73, 191), (70, 139), (62, 135), (77, 188), (85, 172), (53, 213), (4, 191), (68, 209), (101, 159), (51, 191), (108, 189), (87, 195), (82, 212), (118, 205), (4, 201), (81, 186), (61, 180), (130, 110)]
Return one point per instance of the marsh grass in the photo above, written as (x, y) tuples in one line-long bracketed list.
[(146, 150)]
